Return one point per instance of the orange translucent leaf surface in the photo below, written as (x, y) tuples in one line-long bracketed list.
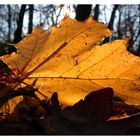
[(43, 55), (70, 61), (109, 65), (119, 117), (35, 48)]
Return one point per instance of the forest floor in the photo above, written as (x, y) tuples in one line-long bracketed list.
[(99, 113)]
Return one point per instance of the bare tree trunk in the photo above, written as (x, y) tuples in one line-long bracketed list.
[(96, 12), (111, 22), (112, 19), (138, 35), (131, 31), (119, 32), (18, 32), (30, 24), (83, 11), (9, 23)]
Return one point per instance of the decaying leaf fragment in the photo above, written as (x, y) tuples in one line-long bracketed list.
[(92, 115), (70, 61)]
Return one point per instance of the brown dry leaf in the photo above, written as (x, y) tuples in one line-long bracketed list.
[(88, 116), (68, 60)]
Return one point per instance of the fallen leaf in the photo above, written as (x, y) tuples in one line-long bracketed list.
[(97, 103), (66, 42), (88, 116), (70, 61), (16, 128)]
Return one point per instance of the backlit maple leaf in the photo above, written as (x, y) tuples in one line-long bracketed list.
[(70, 61)]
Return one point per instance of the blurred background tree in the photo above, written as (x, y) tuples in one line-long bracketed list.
[(18, 20)]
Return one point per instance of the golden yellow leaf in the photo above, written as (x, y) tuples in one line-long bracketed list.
[(70, 61)]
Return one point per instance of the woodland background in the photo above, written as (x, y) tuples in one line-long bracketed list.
[(18, 20)]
